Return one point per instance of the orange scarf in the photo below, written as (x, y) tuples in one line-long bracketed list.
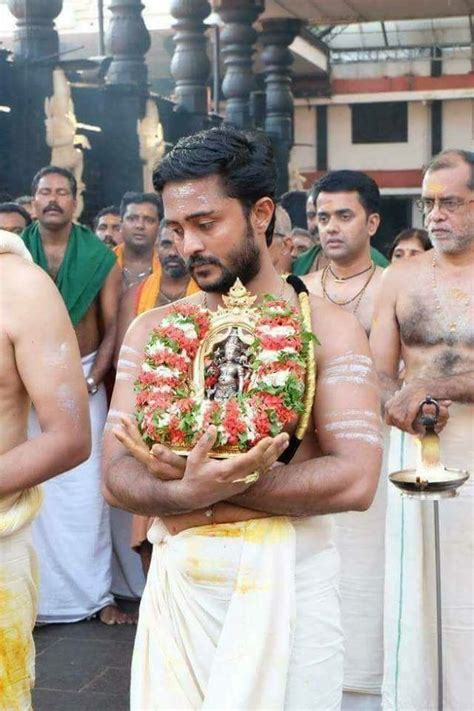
[(119, 250), (147, 293)]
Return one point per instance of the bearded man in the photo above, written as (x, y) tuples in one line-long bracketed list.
[(424, 316), (241, 609)]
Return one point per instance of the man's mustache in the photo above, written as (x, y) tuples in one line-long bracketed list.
[(194, 262), (52, 206)]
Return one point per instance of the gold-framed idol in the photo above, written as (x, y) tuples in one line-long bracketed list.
[(246, 368)]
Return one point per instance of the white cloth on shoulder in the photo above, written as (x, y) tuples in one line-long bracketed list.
[(410, 675), (240, 616), (72, 533)]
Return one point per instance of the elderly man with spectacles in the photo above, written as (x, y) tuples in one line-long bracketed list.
[(424, 316)]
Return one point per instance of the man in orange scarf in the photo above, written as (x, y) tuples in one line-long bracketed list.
[(141, 214), (169, 282)]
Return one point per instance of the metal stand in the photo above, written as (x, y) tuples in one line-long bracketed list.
[(439, 628)]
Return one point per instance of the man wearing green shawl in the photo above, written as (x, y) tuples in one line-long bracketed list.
[(72, 533)]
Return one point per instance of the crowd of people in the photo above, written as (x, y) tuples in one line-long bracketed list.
[(342, 608)]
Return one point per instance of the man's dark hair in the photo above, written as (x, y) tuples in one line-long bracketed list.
[(243, 161), (294, 202), (54, 170), (450, 158), (14, 207), (350, 181), (130, 198), (110, 210), (24, 199)]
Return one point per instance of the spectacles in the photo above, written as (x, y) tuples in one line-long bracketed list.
[(427, 205)]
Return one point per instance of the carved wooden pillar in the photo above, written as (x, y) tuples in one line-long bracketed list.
[(127, 40), (190, 65), (277, 35), (35, 54), (237, 40), (35, 35)]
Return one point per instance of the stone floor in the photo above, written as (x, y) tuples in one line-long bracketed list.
[(83, 666)]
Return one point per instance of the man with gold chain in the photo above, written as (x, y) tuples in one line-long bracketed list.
[(347, 205), (141, 215), (240, 609), (424, 315)]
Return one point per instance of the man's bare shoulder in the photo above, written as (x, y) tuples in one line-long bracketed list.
[(335, 328), (398, 274), (313, 280), (22, 281)]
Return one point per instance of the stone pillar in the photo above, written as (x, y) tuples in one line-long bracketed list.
[(36, 36), (277, 34), (127, 40), (190, 66), (237, 40)]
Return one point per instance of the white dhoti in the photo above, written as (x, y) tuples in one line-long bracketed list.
[(240, 616), (18, 598), (360, 542), (128, 579), (72, 533), (410, 675)]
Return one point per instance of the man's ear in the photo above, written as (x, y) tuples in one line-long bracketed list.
[(262, 213), (287, 244), (373, 222)]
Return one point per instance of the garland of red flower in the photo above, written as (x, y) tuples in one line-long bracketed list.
[(167, 409)]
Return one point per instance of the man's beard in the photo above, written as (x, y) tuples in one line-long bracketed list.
[(454, 245), (244, 264), (175, 271)]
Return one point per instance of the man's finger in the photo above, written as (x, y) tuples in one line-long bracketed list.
[(166, 456), (203, 446)]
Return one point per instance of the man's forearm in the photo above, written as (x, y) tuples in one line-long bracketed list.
[(130, 486), (104, 357), (40, 458), (318, 486), (388, 386), (459, 388)]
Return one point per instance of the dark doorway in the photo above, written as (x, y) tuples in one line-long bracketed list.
[(396, 216)]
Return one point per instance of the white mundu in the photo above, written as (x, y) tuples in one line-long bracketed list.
[(410, 675), (72, 533), (240, 616)]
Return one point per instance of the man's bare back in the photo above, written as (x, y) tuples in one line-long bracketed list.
[(40, 363)]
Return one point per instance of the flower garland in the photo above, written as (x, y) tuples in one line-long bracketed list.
[(167, 409)]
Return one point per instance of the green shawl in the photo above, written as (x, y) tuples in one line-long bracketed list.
[(302, 264), (83, 271)]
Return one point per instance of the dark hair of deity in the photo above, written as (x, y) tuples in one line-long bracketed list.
[(131, 198), (450, 159), (350, 181), (109, 210), (8, 207), (243, 160), (54, 170), (409, 233)]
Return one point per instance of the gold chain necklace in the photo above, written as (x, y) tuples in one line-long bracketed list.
[(357, 297), (340, 280)]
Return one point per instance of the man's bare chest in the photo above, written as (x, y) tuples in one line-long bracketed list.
[(54, 257)]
